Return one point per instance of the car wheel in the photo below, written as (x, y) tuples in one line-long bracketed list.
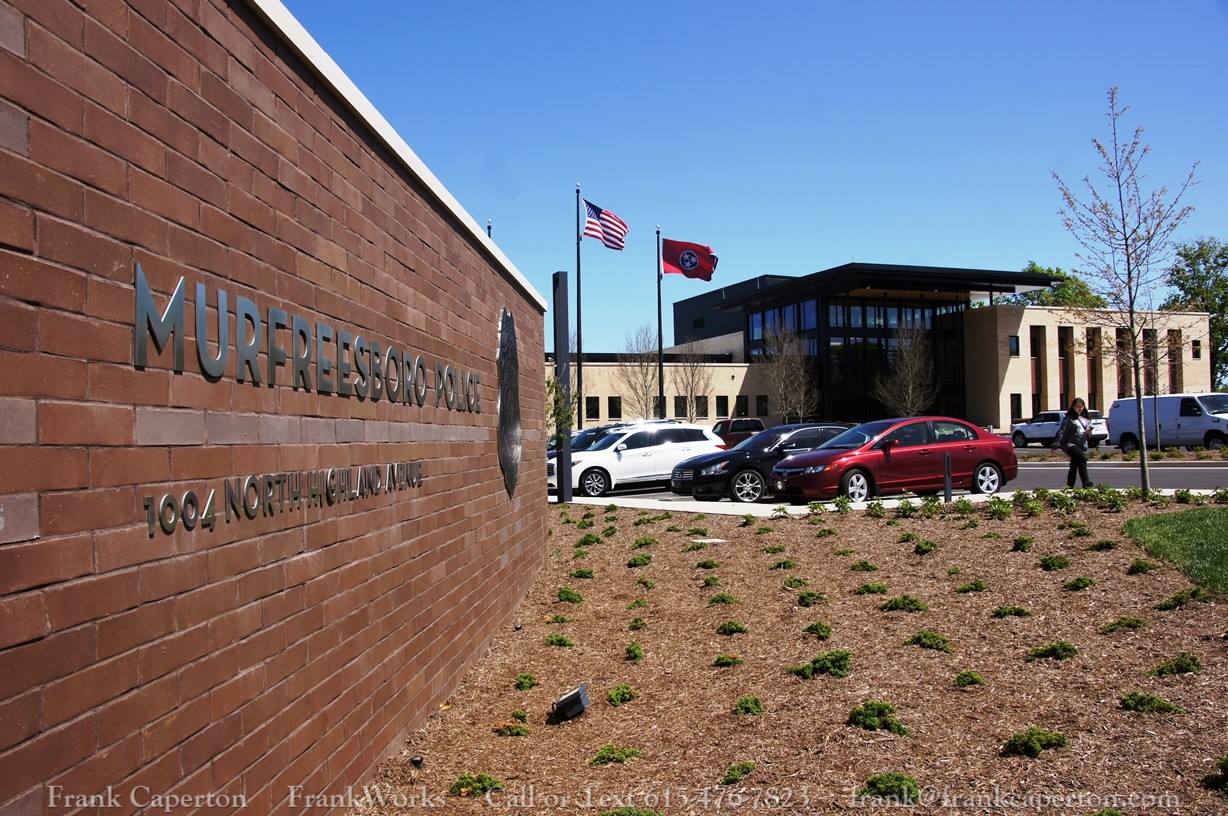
[(987, 478), (747, 486), (1215, 442), (594, 483), (1019, 440), (856, 486), (1127, 444)]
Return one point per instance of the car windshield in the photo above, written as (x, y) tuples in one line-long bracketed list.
[(856, 437), (606, 442), (1215, 403), (760, 441)]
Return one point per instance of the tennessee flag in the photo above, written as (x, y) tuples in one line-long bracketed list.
[(685, 258)]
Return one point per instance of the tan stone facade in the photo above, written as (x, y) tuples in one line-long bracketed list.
[(1021, 360), (254, 520)]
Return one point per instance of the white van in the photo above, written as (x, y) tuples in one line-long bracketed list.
[(1172, 420)]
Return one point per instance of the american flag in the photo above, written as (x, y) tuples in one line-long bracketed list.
[(605, 226)]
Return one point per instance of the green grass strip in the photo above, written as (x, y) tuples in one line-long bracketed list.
[(1191, 539)]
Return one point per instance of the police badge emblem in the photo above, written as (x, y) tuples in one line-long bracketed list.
[(509, 403)]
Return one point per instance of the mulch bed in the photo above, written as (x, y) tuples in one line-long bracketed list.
[(807, 758)]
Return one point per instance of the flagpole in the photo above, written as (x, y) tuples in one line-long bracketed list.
[(660, 341), (579, 319)]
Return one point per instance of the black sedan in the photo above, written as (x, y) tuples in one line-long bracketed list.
[(741, 472)]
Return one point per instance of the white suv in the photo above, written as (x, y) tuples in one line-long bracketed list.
[(1042, 428), (639, 453)]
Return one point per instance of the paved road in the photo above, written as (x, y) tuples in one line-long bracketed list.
[(1191, 474)]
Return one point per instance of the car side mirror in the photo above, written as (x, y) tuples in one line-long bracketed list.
[(890, 443), (621, 448)]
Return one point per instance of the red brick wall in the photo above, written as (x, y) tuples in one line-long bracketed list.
[(290, 649)]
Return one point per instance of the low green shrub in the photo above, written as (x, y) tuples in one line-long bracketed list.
[(722, 598), (876, 715), (1146, 703), (1031, 742), (1049, 563), (1011, 612), (1078, 584), (972, 586), (641, 560), (1183, 663), (1141, 566), (795, 582), (1183, 598), (525, 681), (863, 566), (569, 595), (891, 790), (711, 581), (732, 627), (927, 639), (726, 661), (637, 623), (558, 639), (736, 771), (622, 693), (634, 652), (786, 564), (904, 603), (474, 785), (1058, 650), (819, 629), (835, 663), (708, 564), (1124, 622), (968, 678), (749, 704), (610, 754), (581, 573), (871, 589), (811, 598), (924, 547)]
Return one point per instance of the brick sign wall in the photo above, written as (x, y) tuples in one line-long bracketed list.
[(254, 521)]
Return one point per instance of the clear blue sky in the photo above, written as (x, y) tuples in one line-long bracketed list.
[(790, 136)]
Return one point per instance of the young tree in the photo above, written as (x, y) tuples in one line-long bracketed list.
[(909, 388), (636, 375), (691, 376), (1125, 235), (788, 373), (560, 411), (1200, 277)]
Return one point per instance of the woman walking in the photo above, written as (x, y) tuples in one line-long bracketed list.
[(1071, 439)]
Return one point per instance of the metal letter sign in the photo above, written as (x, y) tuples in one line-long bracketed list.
[(509, 403)]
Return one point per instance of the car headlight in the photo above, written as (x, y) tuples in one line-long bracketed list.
[(814, 469), (713, 470)]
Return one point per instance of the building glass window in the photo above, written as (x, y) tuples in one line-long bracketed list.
[(679, 407), (613, 404), (810, 315), (1012, 342), (722, 406), (701, 407), (1016, 407), (741, 405), (658, 408), (761, 405), (1196, 349), (835, 316), (755, 326)]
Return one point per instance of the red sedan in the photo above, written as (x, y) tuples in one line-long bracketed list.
[(898, 455)]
